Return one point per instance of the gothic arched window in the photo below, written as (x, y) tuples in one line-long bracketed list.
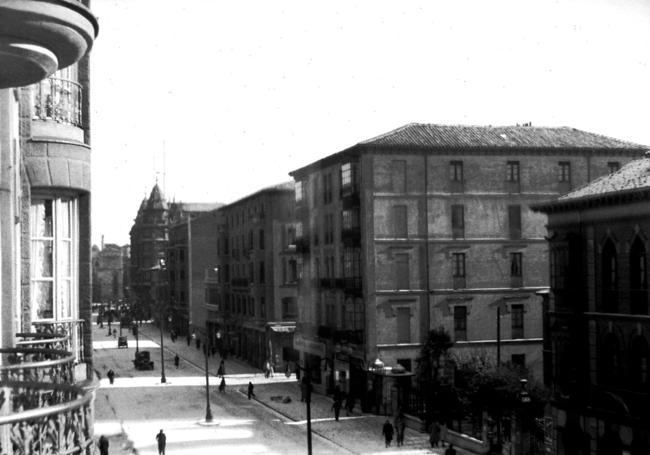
[(609, 359), (638, 278), (639, 361), (609, 277)]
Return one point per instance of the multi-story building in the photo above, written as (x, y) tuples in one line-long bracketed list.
[(108, 273), (179, 260), (46, 355), (597, 332), (429, 226), (250, 285), (149, 236)]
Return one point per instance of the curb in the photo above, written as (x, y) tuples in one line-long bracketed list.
[(281, 414)]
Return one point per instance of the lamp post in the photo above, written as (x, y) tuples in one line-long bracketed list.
[(163, 379), (524, 398), (308, 390), (208, 412)]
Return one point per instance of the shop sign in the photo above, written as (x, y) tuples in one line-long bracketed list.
[(308, 346)]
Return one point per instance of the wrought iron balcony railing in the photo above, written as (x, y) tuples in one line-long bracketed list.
[(73, 329), (53, 366), (42, 418), (59, 100)]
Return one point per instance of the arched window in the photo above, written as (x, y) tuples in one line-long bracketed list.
[(639, 361), (609, 359), (638, 278), (609, 278)]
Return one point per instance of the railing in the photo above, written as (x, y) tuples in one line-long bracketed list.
[(74, 329), (59, 100), (46, 418), (52, 366), (43, 341)]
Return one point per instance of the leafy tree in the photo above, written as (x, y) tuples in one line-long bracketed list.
[(432, 355)]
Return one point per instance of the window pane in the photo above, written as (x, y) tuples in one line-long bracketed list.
[(64, 256), (41, 219), (64, 303), (42, 258), (64, 219), (42, 300)]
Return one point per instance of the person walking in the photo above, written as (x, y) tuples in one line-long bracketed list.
[(222, 386), (250, 390), (434, 436), (400, 426), (337, 407), (177, 360), (387, 431), (162, 442), (222, 370), (111, 376), (267, 369), (103, 445), (450, 450), (188, 338)]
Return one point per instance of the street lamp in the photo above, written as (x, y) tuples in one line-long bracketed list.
[(308, 389), (524, 398), (163, 379), (208, 412)]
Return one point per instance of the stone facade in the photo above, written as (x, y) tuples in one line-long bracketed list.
[(108, 273), (250, 284), (597, 331), (429, 226)]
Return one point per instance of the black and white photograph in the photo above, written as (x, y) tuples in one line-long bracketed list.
[(304, 227)]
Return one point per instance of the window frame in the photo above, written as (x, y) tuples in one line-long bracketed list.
[(59, 236)]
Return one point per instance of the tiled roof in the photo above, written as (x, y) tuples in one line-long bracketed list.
[(635, 175), (463, 136), (198, 206), (284, 186)]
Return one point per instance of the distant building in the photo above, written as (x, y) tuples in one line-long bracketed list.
[(108, 273), (429, 226), (156, 285), (248, 274), (47, 374), (179, 265), (149, 236), (597, 332)]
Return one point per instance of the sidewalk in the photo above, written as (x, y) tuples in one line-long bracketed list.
[(358, 433)]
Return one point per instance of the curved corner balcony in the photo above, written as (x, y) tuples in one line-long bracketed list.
[(37, 37), (42, 410), (43, 419)]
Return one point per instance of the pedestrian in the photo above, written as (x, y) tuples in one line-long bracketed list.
[(387, 431), (111, 376), (349, 403), (222, 370), (222, 386), (162, 442), (287, 370), (400, 426), (172, 335), (103, 445), (188, 338), (434, 436), (450, 450), (177, 361), (250, 390), (267, 369), (114, 333), (337, 408), (198, 343)]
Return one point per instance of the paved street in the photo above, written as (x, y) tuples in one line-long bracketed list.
[(137, 406)]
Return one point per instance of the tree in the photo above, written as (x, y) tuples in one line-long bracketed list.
[(432, 354)]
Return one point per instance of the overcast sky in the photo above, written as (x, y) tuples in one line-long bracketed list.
[(239, 93)]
